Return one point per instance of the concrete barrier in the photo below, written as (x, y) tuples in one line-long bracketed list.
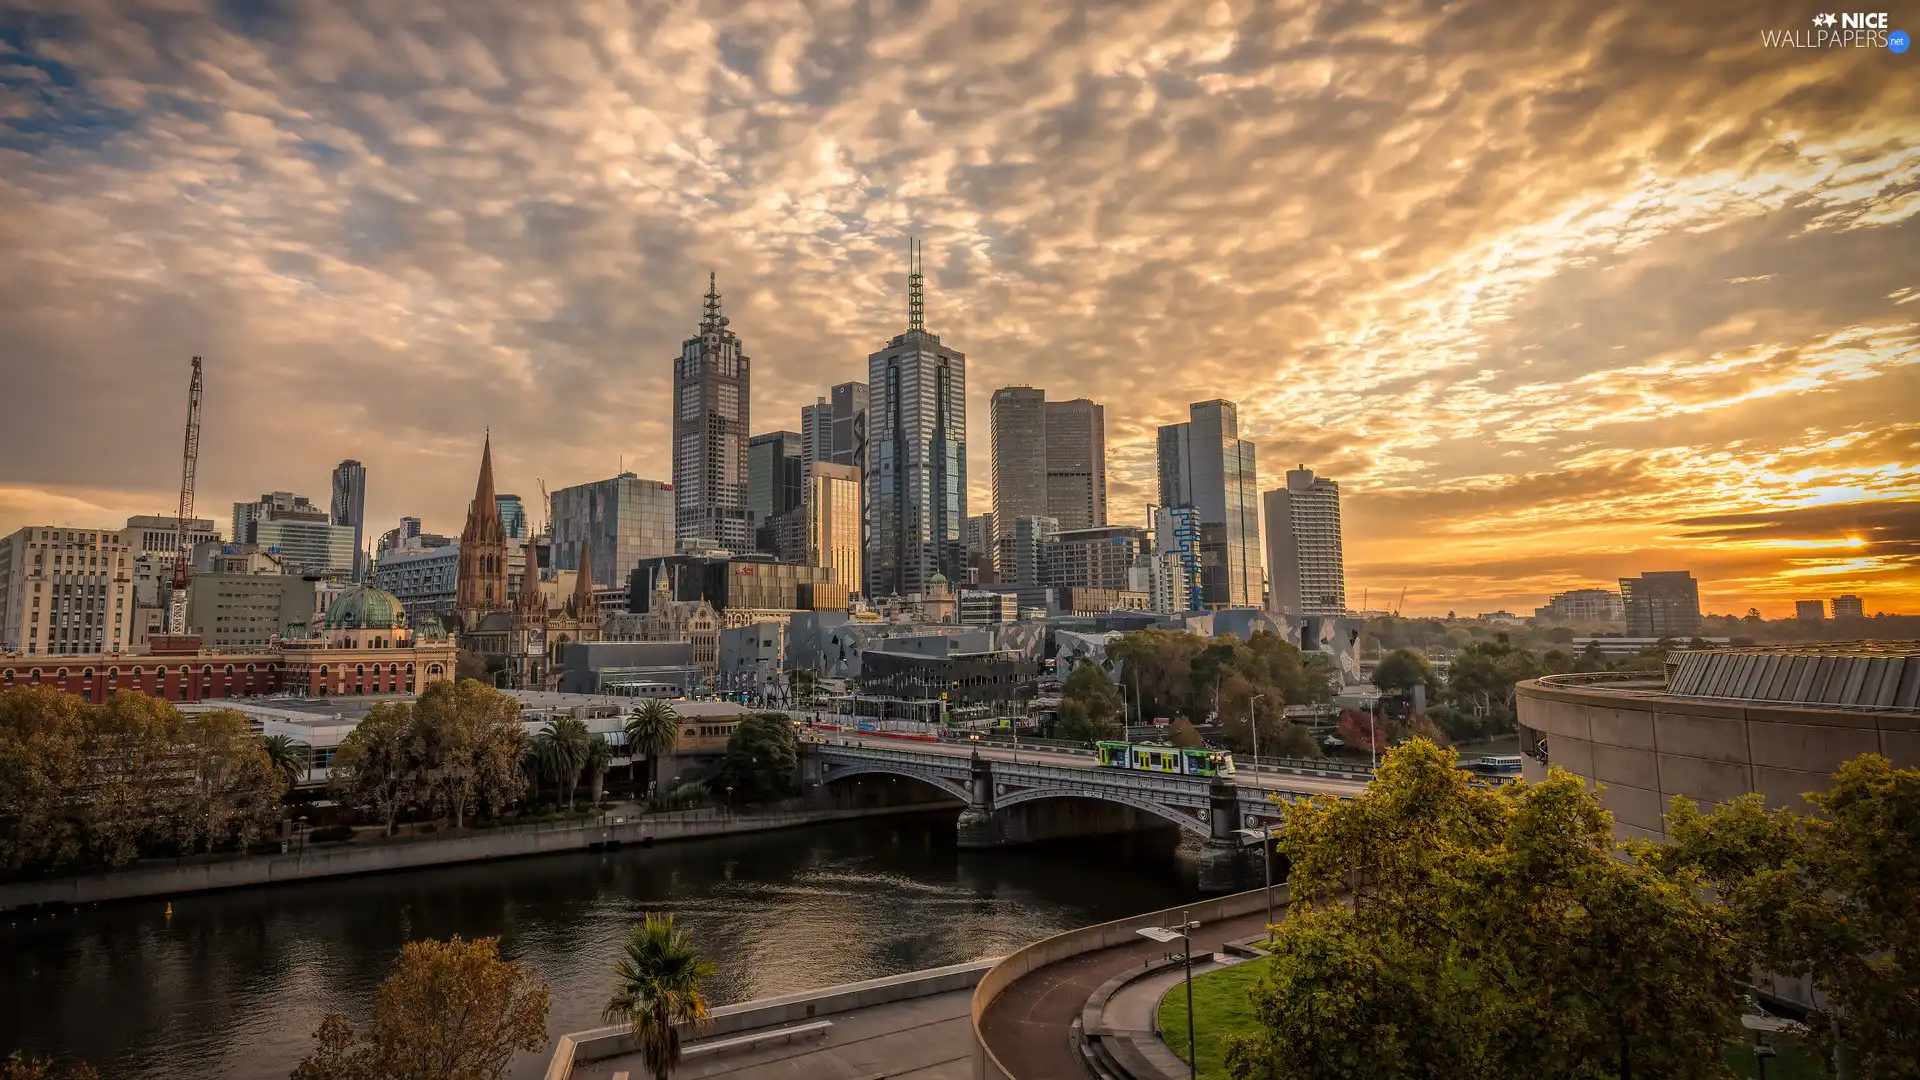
[(728, 1020), (182, 876), (1092, 939)]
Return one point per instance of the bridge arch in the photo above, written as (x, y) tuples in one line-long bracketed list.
[(954, 787), (1188, 822)]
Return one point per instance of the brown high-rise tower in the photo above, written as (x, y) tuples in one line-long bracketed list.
[(481, 587)]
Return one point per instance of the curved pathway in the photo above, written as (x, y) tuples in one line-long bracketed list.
[(1028, 1026)]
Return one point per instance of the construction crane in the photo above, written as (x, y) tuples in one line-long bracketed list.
[(1402, 605), (183, 553)]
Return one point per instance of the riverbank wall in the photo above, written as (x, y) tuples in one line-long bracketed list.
[(177, 877)]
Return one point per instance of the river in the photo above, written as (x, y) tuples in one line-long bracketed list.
[(233, 984)]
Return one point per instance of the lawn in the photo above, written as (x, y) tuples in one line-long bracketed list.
[(1220, 1000), (1793, 1062)]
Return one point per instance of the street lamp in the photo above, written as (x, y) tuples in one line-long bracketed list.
[(1182, 932), (1762, 1050), (729, 800), (1253, 722)]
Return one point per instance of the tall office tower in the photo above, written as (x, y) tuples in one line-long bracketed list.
[(1205, 464), (1303, 546), (302, 534), (1176, 541), (1849, 606), (513, 516), (1032, 536), (1662, 604), (624, 520), (711, 383), (1018, 440), (275, 506), (774, 470), (833, 523), (480, 584), (835, 428), (916, 474), (816, 432), (350, 508), (1810, 610), (1077, 463), (980, 549)]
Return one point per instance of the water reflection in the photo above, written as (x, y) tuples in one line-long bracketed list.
[(233, 984)]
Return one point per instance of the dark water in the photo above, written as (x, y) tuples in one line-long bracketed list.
[(233, 984)]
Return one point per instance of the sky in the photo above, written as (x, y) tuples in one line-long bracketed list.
[(1558, 291)]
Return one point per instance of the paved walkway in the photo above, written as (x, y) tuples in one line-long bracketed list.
[(1027, 1026), (927, 1038)]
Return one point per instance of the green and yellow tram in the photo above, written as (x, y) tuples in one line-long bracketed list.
[(1179, 760)]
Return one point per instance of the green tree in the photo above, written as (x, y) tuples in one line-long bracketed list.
[(1403, 669), (561, 748), (762, 756), (1833, 896), (43, 765), (657, 991), (1292, 740), (376, 767), (1489, 933), (451, 1010), (231, 794), (599, 756), (288, 757), (1157, 665), (1077, 723), (468, 739), (133, 775), (652, 730), (1089, 684), (1481, 677)]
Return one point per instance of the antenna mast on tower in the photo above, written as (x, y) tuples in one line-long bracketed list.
[(916, 288)]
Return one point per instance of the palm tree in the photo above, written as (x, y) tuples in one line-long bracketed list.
[(599, 753), (653, 729), (657, 989), (561, 749), (288, 756)]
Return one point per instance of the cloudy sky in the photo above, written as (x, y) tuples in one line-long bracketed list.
[(1559, 291)]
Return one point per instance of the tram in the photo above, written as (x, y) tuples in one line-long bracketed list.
[(1178, 760)]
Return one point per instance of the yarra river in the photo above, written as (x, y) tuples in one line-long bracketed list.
[(233, 984)]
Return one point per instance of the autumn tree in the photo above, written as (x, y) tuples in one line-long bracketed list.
[(1182, 733), (451, 1010), (1439, 927), (134, 775), (230, 795), (43, 763), (469, 740), (376, 766)]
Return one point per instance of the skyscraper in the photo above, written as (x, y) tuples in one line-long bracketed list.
[(1206, 465), (480, 586), (513, 516), (773, 474), (711, 385), (1849, 606), (1303, 546), (350, 508), (1017, 418), (833, 523), (622, 520), (916, 475), (1662, 604), (1077, 463), (835, 428)]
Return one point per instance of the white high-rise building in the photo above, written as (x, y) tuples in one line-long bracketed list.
[(1303, 546)]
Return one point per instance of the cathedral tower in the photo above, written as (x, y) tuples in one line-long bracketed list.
[(481, 587)]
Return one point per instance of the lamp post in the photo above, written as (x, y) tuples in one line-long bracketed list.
[(1183, 933), (1762, 1050), (729, 800), (1253, 722)]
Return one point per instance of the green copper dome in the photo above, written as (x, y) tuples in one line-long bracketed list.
[(430, 629), (366, 608)]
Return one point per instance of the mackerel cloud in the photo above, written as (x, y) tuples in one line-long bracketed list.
[(1559, 291)]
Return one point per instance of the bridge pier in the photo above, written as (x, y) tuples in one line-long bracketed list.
[(978, 827), (1220, 859)]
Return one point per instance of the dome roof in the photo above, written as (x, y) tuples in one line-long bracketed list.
[(430, 629), (364, 607)]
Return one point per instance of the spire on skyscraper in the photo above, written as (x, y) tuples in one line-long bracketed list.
[(713, 320), (916, 288)]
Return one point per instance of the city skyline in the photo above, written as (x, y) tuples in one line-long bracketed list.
[(1539, 354)]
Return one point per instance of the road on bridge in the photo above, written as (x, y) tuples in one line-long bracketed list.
[(1266, 780)]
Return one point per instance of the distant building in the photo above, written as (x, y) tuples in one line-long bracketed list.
[(1204, 464), (1032, 536), (740, 589), (513, 515), (1661, 604), (1849, 606), (978, 606), (1176, 535), (712, 384), (161, 534), (981, 549), (1810, 610), (1499, 618), (1583, 605), (350, 509), (916, 471), (1097, 558), (1049, 460), (774, 473), (274, 506), (422, 579), (834, 428), (480, 587), (833, 523), (302, 534), (1077, 463), (625, 519), (235, 612), (66, 591), (1304, 554), (1163, 579)]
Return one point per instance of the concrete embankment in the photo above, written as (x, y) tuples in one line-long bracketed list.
[(174, 877)]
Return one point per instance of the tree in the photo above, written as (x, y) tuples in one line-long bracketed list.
[(1831, 895), (18, 1066), (561, 748), (652, 730), (1182, 733), (1490, 933), (288, 758), (375, 766), (657, 990), (1362, 730), (1089, 685), (1077, 723), (1157, 665), (1482, 676), (467, 665), (133, 777), (1294, 741), (762, 755), (43, 764), (599, 756), (468, 739), (1403, 669), (232, 794), (451, 1010)]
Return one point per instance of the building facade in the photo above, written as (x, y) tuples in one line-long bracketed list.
[(155, 534), (834, 428), (1176, 536), (1849, 606), (712, 383), (624, 520), (775, 467), (513, 515), (1304, 554), (1810, 610), (1661, 604), (916, 474), (1583, 605), (1017, 420), (1032, 536), (833, 523), (480, 587), (349, 509), (1095, 558), (66, 592), (1077, 463), (241, 612), (1204, 464), (424, 580)]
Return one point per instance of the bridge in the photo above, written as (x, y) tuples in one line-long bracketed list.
[(1020, 796)]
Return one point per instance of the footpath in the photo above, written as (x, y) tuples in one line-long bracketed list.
[(172, 877)]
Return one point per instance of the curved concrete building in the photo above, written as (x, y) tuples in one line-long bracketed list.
[(1776, 719)]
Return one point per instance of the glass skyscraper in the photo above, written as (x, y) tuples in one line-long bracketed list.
[(1206, 465), (625, 519)]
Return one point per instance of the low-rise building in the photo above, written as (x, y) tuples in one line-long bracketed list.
[(981, 606), (66, 592), (244, 612), (1849, 606)]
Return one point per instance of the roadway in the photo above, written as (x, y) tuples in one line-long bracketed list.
[(1267, 779)]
